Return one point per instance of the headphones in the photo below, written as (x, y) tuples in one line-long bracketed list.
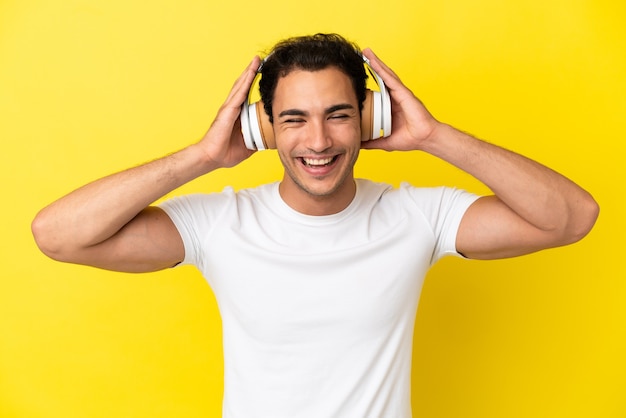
[(258, 133)]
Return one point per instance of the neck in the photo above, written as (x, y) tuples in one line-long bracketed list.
[(312, 204)]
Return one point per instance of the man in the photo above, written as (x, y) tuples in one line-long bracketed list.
[(318, 276)]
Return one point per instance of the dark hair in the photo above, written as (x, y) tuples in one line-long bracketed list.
[(311, 53)]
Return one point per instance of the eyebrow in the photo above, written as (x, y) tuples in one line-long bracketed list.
[(328, 110)]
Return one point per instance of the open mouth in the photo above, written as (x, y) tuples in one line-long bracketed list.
[(318, 162)]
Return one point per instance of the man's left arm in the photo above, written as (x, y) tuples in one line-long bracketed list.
[(533, 206)]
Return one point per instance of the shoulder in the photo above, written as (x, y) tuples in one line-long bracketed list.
[(198, 202), (430, 202), (210, 206), (439, 195), (408, 192)]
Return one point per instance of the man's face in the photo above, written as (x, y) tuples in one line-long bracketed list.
[(317, 130)]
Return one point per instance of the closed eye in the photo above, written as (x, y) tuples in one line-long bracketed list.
[(293, 121)]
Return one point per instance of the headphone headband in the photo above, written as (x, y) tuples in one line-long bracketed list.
[(258, 132)]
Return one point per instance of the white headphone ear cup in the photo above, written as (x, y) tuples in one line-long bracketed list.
[(385, 104), (381, 101), (255, 127), (246, 129), (376, 114)]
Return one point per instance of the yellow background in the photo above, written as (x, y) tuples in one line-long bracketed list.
[(92, 87)]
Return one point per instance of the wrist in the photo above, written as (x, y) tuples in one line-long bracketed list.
[(454, 146), (431, 136), (197, 160)]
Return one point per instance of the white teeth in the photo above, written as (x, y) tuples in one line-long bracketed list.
[(317, 162)]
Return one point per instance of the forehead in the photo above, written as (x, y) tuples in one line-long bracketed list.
[(303, 89)]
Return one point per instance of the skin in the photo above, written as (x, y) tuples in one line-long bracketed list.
[(317, 129), (110, 224)]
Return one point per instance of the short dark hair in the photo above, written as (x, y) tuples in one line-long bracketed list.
[(312, 53)]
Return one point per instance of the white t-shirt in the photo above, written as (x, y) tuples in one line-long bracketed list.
[(318, 311)]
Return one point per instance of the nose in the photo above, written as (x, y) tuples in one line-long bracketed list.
[(318, 137)]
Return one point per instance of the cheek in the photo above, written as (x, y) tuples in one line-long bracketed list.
[(345, 131), (286, 140)]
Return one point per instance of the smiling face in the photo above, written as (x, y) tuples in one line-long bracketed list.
[(317, 130)]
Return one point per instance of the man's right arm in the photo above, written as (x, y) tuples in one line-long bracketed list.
[(110, 224)]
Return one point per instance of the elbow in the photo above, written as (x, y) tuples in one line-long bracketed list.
[(584, 217), (46, 238)]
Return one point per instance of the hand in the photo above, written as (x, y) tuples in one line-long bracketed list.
[(223, 143), (412, 123)]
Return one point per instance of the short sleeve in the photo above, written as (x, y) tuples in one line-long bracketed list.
[(194, 216), (443, 209)]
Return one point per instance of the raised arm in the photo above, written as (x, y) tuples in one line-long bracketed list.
[(533, 207), (110, 224)]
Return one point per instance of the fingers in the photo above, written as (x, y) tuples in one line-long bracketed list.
[(388, 75), (412, 122), (228, 114), (239, 91)]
